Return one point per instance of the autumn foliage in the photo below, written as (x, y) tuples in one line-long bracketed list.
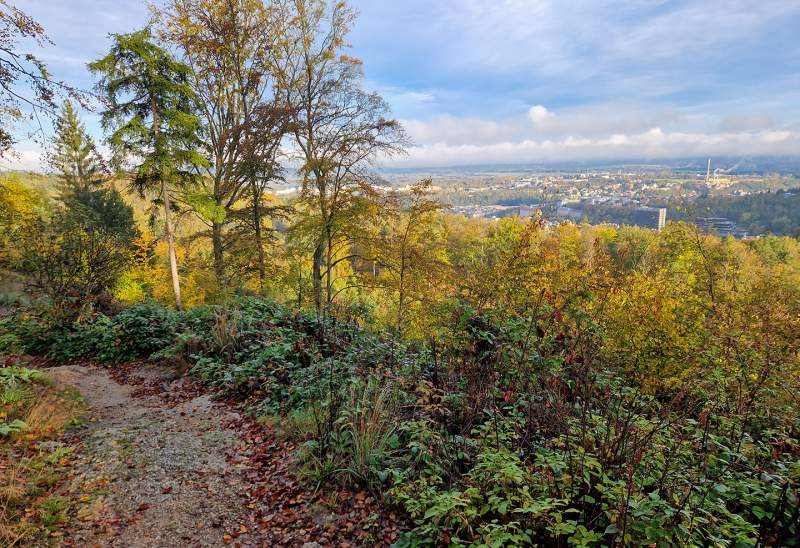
[(490, 383)]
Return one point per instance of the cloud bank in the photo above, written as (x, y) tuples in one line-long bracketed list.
[(601, 133)]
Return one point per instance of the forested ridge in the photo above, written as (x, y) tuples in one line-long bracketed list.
[(757, 214), (485, 383)]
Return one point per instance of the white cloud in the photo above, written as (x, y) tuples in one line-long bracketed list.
[(579, 51), (554, 36), (449, 141), (599, 132), (746, 122), (462, 131), (602, 119), (539, 114), (536, 80), (23, 159)]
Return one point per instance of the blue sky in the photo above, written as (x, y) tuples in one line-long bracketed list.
[(517, 81)]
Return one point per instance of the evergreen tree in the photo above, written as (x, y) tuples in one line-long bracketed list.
[(150, 111), (104, 209), (74, 157)]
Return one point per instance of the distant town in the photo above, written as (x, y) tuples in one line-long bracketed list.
[(645, 196), (731, 198)]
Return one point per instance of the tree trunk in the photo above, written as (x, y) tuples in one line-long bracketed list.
[(317, 277), (300, 289), (328, 273), (219, 260), (402, 298), (262, 266), (173, 260), (169, 233)]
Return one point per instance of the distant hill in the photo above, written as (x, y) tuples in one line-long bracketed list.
[(47, 184), (734, 165)]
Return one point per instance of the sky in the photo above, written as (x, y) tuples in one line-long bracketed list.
[(479, 82)]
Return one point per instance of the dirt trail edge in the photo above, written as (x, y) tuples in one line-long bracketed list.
[(150, 475)]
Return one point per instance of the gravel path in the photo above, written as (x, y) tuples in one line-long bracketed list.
[(151, 475)]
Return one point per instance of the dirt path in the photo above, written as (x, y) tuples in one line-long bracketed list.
[(150, 475)]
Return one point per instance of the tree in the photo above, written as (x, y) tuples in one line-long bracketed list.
[(231, 47), (74, 157), (337, 126), (25, 82), (411, 254), (261, 168), (104, 209), (80, 168), (150, 105), (19, 206)]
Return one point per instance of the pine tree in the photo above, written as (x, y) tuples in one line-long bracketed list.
[(104, 209), (150, 111), (74, 157)]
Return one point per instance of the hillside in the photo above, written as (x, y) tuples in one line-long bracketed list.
[(597, 394), (399, 358)]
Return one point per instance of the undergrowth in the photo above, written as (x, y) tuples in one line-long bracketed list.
[(486, 439)]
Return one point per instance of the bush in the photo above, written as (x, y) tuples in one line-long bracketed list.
[(141, 331), (70, 263), (94, 339), (136, 333), (10, 344), (35, 334), (510, 430)]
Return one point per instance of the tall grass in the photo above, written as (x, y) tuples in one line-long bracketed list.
[(368, 429)]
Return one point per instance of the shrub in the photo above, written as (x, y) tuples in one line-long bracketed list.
[(95, 339), (141, 331), (70, 263), (34, 334), (511, 429), (10, 344)]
